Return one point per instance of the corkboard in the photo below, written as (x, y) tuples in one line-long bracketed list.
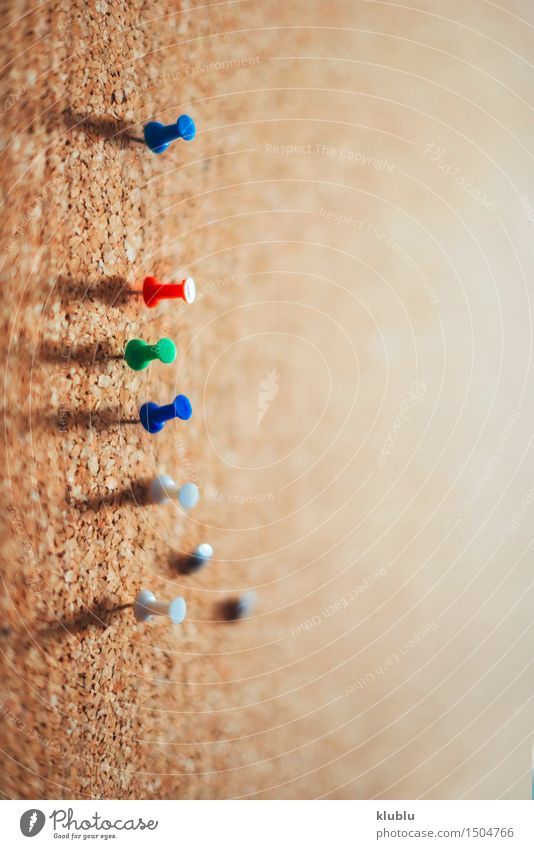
[(355, 210)]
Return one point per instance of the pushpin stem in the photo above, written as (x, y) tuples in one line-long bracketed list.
[(172, 290), (164, 488), (164, 414), (152, 352), (146, 605), (172, 490), (157, 608), (169, 133)]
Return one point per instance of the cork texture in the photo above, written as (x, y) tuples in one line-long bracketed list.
[(357, 211)]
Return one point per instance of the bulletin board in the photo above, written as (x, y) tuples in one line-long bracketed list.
[(327, 358)]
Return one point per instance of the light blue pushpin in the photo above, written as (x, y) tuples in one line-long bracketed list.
[(146, 606), (203, 552), (163, 488), (245, 604), (200, 556), (238, 608), (197, 559), (159, 136)]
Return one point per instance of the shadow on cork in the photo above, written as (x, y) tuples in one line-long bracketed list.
[(113, 291), (137, 494), (114, 130)]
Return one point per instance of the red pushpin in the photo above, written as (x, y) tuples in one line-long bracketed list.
[(154, 291)]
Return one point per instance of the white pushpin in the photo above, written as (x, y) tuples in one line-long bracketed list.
[(163, 488), (200, 556), (245, 604), (146, 606)]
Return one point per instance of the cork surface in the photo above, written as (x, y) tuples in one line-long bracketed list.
[(357, 211)]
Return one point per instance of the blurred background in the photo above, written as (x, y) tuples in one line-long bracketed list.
[(357, 211)]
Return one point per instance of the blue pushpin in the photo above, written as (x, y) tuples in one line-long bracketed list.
[(159, 136), (153, 417)]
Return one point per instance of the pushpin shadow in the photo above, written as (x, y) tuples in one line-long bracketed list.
[(229, 610), (98, 420), (92, 354), (137, 495), (234, 608), (100, 616), (112, 291), (186, 564), (62, 420), (111, 129)]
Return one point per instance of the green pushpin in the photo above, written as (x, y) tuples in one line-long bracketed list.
[(139, 354)]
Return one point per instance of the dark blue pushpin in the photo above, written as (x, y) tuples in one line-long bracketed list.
[(159, 136), (153, 417)]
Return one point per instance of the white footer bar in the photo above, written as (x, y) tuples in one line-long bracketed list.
[(269, 824)]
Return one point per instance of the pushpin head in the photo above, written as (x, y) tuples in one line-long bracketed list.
[(186, 127), (199, 557), (182, 407), (153, 417), (165, 350), (190, 290), (203, 551), (154, 291), (177, 610), (145, 412), (188, 496), (139, 354)]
